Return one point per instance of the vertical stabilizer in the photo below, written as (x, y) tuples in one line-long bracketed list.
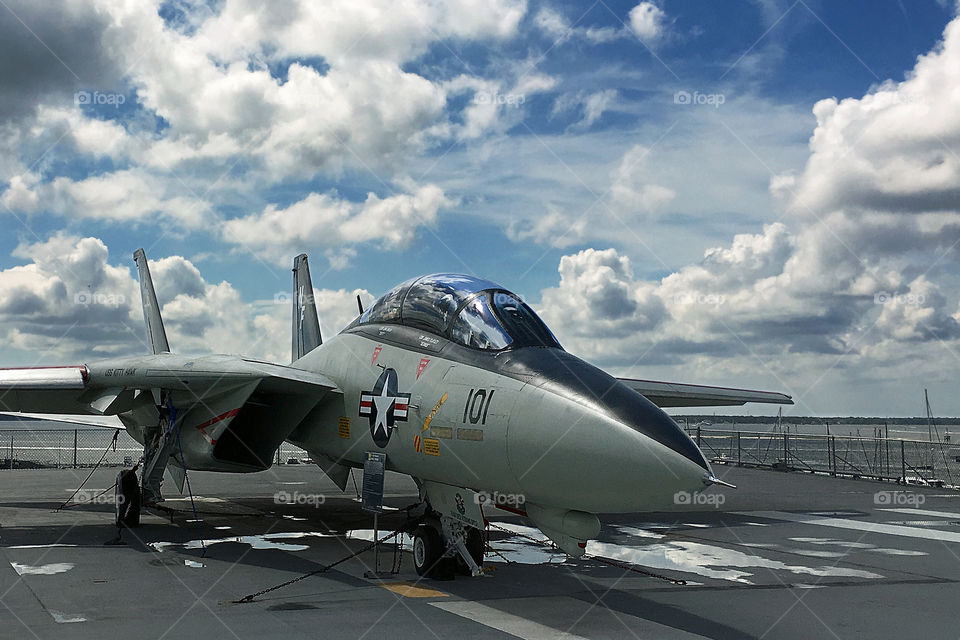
[(151, 309), (306, 323)]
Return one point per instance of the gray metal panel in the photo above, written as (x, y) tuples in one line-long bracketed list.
[(42, 378), (151, 308), (673, 394)]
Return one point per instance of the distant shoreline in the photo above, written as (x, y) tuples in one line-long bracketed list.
[(806, 420)]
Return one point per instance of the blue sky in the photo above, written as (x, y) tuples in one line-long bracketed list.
[(542, 145)]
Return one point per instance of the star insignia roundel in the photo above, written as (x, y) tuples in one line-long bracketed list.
[(384, 406)]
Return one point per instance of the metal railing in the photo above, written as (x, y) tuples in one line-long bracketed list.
[(76, 448), (894, 459)]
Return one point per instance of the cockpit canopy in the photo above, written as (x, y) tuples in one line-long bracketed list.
[(470, 311)]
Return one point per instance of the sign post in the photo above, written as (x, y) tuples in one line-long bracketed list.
[(373, 470)]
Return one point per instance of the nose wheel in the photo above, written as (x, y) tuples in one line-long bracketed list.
[(428, 550), (440, 552)]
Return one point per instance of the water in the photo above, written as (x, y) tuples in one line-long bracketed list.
[(910, 452), (914, 429)]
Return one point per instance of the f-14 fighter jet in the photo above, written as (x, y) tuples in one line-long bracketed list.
[(454, 378)]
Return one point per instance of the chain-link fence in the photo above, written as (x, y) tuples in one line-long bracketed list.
[(896, 459), (61, 448)]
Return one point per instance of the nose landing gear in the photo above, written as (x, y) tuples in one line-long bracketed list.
[(442, 548)]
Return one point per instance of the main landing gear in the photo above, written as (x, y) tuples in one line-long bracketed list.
[(443, 548)]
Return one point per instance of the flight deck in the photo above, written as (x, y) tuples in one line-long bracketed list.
[(786, 555)]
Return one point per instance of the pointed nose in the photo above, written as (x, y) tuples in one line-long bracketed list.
[(592, 387), (644, 417), (613, 450)]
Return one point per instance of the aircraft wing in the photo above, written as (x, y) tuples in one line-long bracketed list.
[(108, 387), (232, 412), (673, 394), (66, 419)]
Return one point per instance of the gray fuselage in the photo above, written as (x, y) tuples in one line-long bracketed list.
[(534, 422)]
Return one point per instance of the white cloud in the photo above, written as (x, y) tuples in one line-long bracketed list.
[(18, 196), (593, 105), (69, 301), (124, 196), (891, 149), (855, 287), (631, 190), (598, 295), (291, 92), (555, 25), (325, 219), (647, 22)]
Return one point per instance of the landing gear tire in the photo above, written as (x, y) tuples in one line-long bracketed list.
[(474, 543), (427, 551), (127, 499)]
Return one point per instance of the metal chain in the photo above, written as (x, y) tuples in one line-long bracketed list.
[(113, 443), (251, 597)]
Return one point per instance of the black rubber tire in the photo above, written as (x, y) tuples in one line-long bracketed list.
[(427, 549), (127, 496), (474, 542), (475, 546)]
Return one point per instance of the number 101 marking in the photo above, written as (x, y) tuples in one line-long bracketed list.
[(478, 403)]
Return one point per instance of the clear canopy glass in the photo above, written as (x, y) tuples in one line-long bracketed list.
[(470, 311)]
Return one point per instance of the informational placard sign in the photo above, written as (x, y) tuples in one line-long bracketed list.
[(373, 468)]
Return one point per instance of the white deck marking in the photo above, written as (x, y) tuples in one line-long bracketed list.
[(925, 512), (503, 621), (594, 618), (859, 525)]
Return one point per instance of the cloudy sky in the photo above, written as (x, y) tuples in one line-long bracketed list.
[(762, 194)]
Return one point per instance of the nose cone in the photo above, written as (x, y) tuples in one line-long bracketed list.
[(586, 385), (624, 453), (646, 418)]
